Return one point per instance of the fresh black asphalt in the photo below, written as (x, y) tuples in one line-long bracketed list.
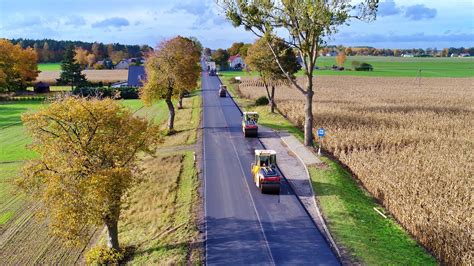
[(244, 226)]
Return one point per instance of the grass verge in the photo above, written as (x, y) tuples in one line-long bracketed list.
[(358, 229)]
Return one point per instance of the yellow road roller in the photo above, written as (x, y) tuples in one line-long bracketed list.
[(265, 173)]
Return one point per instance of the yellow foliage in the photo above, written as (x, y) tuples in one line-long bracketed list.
[(104, 256), (171, 69), (341, 59), (87, 161), (17, 66)]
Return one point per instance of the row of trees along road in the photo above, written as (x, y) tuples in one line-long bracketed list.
[(172, 71), (17, 66), (308, 23)]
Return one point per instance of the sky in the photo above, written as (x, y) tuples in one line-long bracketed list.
[(399, 23)]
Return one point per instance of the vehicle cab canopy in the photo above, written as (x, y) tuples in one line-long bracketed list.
[(250, 116), (265, 158), (223, 87)]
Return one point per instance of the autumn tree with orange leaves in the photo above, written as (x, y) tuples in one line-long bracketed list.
[(87, 163), (17, 66), (173, 68)]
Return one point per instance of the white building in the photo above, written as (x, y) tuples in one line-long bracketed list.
[(236, 61)]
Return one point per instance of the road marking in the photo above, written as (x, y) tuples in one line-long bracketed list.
[(267, 245)]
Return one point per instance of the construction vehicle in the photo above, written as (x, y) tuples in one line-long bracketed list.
[(265, 173), (222, 90), (249, 124)]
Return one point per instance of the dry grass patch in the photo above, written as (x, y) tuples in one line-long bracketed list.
[(159, 224), (409, 142), (104, 75)]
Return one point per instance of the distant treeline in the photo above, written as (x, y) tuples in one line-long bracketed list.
[(367, 50), (50, 51)]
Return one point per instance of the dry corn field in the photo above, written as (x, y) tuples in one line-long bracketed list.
[(409, 142)]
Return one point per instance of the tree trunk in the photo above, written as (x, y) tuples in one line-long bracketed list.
[(112, 234), (272, 100), (170, 108), (308, 113), (180, 101)]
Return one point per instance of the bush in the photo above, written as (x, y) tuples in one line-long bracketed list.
[(364, 67), (98, 66), (104, 256), (262, 101), (106, 92), (355, 64)]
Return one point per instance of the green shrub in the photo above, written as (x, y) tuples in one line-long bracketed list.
[(262, 101), (364, 67), (104, 256), (355, 64)]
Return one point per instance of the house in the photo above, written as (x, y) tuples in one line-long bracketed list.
[(136, 76), (407, 55), (331, 53), (236, 62), (123, 64), (464, 55)]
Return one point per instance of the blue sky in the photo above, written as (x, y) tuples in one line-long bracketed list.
[(400, 23)]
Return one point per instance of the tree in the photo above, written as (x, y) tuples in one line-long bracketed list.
[(38, 52), (348, 51), (445, 52), (110, 50), (307, 23), (341, 59), (220, 56), (207, 51), (81, 57), (91, 59), (71, 71), (260, 59), (46, 53), (171, 69), (117, 56), (17, 66), (244, 49), (96, 50), (87, 162), (197, 44), (235, 48)]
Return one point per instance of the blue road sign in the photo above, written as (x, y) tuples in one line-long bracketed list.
[(321, 132)]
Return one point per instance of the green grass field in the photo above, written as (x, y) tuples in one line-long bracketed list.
[(393, 67), (49, 66)]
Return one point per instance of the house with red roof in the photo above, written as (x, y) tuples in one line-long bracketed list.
[(236, 62)]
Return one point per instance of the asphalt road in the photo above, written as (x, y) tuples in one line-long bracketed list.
[(244, 226)]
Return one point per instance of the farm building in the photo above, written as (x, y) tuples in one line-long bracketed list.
[(123, 64), (136, 76), (41, 87)]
